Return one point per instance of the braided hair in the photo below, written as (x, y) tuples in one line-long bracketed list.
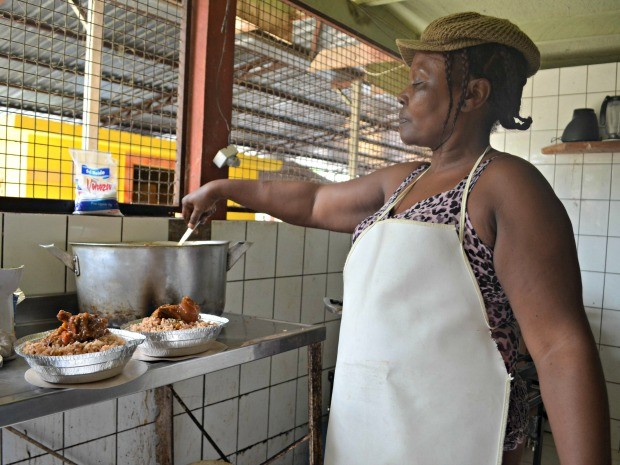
[(505, 68)]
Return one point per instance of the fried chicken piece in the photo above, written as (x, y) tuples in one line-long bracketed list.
[(187, 311), (82, 327)]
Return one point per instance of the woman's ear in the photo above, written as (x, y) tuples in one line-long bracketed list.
[(478, 91)]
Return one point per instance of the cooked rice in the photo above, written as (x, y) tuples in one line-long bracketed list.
[(105, 342), (151, 324)]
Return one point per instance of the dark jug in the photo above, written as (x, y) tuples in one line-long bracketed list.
[(583, 127), (610, 116)]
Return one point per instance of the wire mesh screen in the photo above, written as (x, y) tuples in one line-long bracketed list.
[(97, 74), (309, 101)]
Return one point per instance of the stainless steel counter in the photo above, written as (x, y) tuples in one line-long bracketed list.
[(247, 339)]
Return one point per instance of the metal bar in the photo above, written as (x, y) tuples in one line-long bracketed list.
[(92, 76), (182, 132), (39, 445), (209, 92), (197, 423), (540, 423), (107, 76), (79, 12), (315, 365), (354, 126), (284, 451), (164, 424), (65, 32)]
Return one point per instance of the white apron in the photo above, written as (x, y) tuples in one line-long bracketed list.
[(418, 379)]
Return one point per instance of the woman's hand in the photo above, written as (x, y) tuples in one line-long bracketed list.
[(199, 204)]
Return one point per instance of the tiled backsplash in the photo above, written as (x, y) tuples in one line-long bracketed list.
[(252, 411), (255, 410)]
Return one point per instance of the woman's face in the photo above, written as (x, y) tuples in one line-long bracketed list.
[(425, 101)]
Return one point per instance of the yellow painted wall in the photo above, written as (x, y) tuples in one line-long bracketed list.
[(35, 161), (34, 154)]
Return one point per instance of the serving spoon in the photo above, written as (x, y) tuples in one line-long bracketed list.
[(191, 230)]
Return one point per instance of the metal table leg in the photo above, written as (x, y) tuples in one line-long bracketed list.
[(315, 365)]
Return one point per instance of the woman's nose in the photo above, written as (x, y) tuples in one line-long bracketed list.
[(402, 99)]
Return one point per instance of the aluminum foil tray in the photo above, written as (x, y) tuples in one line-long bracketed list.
[(83, 368), (180, 342)]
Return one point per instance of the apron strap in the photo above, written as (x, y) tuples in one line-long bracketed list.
[(463, 202), (466, 194), (401, 195)]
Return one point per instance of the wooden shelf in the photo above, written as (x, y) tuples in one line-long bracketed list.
[(595, 146)]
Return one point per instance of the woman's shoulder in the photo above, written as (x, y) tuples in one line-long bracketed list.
[(511, 181), (391, 177), (509, 172)]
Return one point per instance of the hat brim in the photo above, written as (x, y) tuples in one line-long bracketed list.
[(409, 47)]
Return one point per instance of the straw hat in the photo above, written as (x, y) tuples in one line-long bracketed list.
[(460, 30)]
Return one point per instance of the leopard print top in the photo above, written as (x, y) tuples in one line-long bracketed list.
[(445, 208)]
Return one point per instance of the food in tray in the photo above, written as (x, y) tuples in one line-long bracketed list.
[(78, 334), (172, 317)]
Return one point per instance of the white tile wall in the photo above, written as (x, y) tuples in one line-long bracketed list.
[(593, 287), (255, 375), (136, 409), (137, 445), (594, 318), (234, 296), (260, 259), (312, 307), (221, 423), (573, 80), (279, 443), (591, 252), (221, 385), (187, 438), (290, 250), (287, 299), (315, 251), (258, 297), (610, 324), (610, 358), (191, 393), (284, 366), (253, 418), (282, 407), (596, 182), (252, 455), (602, 78), (339, 245), (145, 229), (614, 219), (594, 218), (89, 423), (43, 273), (46, 430), (98, 452)]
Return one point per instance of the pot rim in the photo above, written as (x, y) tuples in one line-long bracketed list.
[(142, 244)]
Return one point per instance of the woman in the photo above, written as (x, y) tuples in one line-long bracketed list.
[(453, 262)]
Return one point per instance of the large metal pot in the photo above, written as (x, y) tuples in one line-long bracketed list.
[(127, 281)]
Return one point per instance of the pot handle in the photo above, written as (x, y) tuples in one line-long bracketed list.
[(70, 261), (235, 252)]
